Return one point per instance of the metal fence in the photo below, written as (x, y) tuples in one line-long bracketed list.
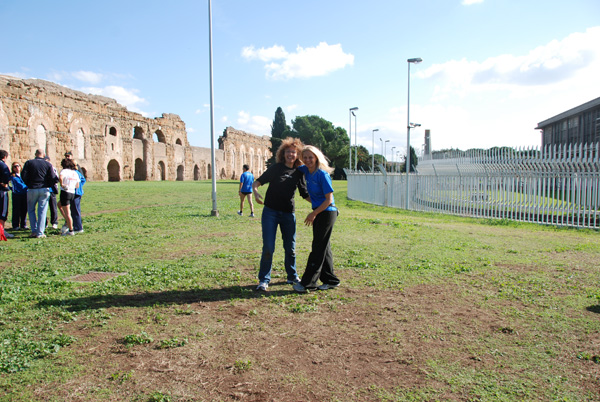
[(557, 185)]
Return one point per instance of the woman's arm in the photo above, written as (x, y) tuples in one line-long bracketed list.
[(324, 205), (257, 196)]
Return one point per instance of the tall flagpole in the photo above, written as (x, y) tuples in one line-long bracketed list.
[(215, 211)]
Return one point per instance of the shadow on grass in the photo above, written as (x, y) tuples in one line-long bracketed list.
[(594, 309), (168, 297)]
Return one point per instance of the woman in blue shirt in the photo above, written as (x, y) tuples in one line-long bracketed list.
[(318, 182), (19, 198)]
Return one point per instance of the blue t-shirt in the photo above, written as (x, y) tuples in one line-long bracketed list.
[(318, 184), (246, 179), (18, 185)]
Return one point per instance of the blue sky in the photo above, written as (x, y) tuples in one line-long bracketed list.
[(491, 70)]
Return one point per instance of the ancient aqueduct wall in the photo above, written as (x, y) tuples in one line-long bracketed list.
[(111, 143)]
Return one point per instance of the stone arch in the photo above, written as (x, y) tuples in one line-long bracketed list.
[(40, 127), (196, 172), (180, 173), (162, 171), (111, 130), (114, 170), (80, 144), (209, 172), (138, 133), (80, 130), (140, 170), (159, 136), (178, 141)]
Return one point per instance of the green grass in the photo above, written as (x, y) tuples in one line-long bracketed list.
[(540, 283)]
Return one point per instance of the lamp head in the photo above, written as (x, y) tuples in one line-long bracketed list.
[(353, 108), (376, 130), (415, 60)]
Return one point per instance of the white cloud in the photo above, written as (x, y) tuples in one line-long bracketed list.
[(258, 125), (88, 76), (470, 2), (304, 63), (549, 65), (126, 97), (16, 75), (291, 108)]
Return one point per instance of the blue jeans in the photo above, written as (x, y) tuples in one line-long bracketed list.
[(39, 196), (270, 219)]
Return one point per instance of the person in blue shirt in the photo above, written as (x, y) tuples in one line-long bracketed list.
[(4, 179), (246, 181), (322, 218), (19, 198)]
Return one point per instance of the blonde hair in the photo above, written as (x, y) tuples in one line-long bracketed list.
[(321, 159), (288, 143)]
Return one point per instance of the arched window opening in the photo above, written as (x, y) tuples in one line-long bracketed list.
[(209, 175), (178, 142), (112, 131), (180, 173), (138, 133), (159, 136), (196, 172)]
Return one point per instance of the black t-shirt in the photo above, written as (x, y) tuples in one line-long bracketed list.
[(283, 182)]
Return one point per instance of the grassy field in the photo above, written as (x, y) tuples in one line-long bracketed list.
[(431, 307)]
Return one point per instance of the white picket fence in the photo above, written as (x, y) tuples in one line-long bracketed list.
[(557, 185)]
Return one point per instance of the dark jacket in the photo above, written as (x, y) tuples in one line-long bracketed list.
[(38, 173)]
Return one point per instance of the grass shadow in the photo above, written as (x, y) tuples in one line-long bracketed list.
[(167, 297)]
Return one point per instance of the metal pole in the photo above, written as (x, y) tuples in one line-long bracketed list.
[(350, 135), (408, 139), (215, 211), (373, 150), (355, 146)]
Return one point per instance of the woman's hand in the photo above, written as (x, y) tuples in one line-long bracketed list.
[(258, 197), (310, 218)]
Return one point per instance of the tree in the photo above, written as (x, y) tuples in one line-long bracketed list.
[(279, 131), (414, 161), (332, 141)]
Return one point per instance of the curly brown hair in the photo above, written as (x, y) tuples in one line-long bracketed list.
[(288, 143)]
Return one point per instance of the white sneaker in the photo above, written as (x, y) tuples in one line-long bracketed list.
[(252, 215), (325, 286), (240, 213), (55, 226), (79, 231), (68, 233), (263, 286), (292, 281), (299, 288), (64, 229)]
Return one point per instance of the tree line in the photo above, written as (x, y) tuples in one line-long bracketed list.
[(332, 141)]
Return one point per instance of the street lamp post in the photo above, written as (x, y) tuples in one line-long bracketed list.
[(392, 166), (408, 127), (385, 153), (373, 150), (355, 145), (350, 113)]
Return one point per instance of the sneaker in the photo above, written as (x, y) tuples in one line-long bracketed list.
[(79, 231), (9, 235), (292, 281), (240, 213), (299, 288), (40, 236), (252, 215), (326, 286), (68, 233), (54, 226), (262, 287), (64, 229), (33, 235)]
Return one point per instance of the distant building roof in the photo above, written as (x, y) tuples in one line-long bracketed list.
[(568, 113)]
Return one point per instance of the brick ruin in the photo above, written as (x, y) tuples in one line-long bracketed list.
[(111, 143)]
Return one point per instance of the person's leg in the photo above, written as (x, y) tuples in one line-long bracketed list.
[(53, 210), (75, 207), (16, 213), (242, 196), (65, 210), (327, 275), (288, 235), (23, 210), (322, 229), (43, 199), (269, 221), (32, 200), (251, 204)]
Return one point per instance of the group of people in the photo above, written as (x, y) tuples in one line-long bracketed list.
[(304, 168), (34, 188)]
